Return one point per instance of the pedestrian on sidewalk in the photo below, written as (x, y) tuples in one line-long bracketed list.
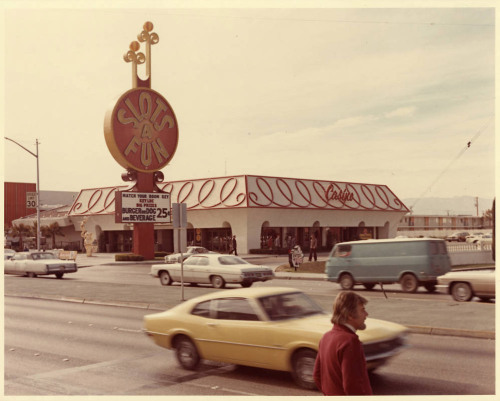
[(290, 243), (234, 244), (340, 367), (313, 243), (297, 256)]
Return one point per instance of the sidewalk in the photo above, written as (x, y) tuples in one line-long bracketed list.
[(425, 316)]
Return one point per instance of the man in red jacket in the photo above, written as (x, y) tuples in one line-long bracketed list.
[(340, 367)]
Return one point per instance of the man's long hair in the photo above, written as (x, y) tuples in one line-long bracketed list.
[(345, 305)]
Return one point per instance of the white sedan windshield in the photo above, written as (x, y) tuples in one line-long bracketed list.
[(39, 256)]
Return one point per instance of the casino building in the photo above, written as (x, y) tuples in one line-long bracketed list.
[(261, 211), (142, 134)]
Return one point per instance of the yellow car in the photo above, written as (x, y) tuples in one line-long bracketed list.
[(266, 327)]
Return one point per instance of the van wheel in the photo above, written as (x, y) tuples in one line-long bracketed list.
[(369, 286), (31, 275), (409, 283), (346, 281)]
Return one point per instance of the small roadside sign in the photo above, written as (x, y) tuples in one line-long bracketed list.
[(31, 200)]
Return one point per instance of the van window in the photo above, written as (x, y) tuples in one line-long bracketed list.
[(390, 249), (433, 248), (342, 251), (442, 248), (372, 250)]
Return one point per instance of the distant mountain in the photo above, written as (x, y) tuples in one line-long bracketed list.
[(459, 205)]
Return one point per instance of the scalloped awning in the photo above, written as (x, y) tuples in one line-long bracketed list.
[(249, 191)]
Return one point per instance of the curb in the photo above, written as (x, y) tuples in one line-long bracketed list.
[(437, 331), (441, 331)]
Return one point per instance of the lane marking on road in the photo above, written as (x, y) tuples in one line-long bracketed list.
[(127, 330)]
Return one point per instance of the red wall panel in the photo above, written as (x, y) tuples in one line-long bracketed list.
[(15, 201)]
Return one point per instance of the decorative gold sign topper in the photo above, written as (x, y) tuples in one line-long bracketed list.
[(141, 129)]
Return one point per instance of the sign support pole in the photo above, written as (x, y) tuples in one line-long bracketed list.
[(141, 133), (38, 228), (179, 221), (182, 262)]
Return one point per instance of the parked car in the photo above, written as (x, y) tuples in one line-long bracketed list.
[(485, 239), (213, 268), (474, 237), (412, 262), (265, 327), (463, 285), (8, 253), (457, 237), (34, 264), (191, 250)]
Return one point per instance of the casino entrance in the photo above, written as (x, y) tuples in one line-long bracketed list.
[(216, 239)]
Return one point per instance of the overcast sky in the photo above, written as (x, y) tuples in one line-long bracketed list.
[(379, 96)]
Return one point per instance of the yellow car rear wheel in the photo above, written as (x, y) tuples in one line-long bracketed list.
[(186, 353)]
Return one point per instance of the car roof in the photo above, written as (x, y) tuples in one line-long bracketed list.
[(387, 240), (254, 292), (212, 255)]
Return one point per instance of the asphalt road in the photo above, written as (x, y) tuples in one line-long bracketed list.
[(60, 348), (131, 284)]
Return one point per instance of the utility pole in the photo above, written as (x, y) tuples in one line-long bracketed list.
[(37, 188)]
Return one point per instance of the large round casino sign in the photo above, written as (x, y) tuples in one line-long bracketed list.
[(141, 130)]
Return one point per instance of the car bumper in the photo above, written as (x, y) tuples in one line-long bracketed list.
[(254, 279), (62, 269), (443, 288), (379, 353)]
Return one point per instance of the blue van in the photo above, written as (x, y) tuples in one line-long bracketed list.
[(412, 262)]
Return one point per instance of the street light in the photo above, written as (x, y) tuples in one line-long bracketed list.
[(37, 188)]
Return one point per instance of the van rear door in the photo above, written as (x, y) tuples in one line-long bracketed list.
[(439, 258)]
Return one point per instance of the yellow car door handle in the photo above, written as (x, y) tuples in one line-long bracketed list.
[(212, 324)]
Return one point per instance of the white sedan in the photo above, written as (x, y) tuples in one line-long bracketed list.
[(8, 253), (463, 285), (34, 264), (473, 238), (215, 269), (191, 250)]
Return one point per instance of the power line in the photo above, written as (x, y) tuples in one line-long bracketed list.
[(462, 151)]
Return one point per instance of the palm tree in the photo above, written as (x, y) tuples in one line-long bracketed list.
[(35, 232), (51, 231), (21, 230)]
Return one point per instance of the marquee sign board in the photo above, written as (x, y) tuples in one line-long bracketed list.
[(138, 207)]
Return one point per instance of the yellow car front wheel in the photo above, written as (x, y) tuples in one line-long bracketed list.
[(303, 367)]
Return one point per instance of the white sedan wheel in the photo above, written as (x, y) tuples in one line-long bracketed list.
[(165, 278), (461, 292), (218, 282)]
